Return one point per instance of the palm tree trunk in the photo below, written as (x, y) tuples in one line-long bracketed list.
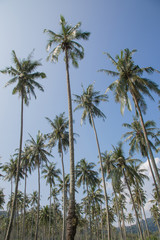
[(38, 206), (154, 180), (64, 199), (24, 205), (72, 220), (102, 223), (117, 211), (147, 143), (123, 224), (139, 227), (50, 213), (90, 232), (104, 184), (144, 215), (17, 176)]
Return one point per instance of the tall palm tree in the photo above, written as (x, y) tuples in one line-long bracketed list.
[(124, 168), (137, 141), (25, 76), (155, 213), (38, 154), (89, 101), (87, 177), (130, 80), (60, 136), (66, 42), (130, 220), (50, 174)]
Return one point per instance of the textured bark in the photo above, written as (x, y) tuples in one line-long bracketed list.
[(38, 206), (72, 219), (7, 237), (117, 212), (147, 143), (136, 214), (104, 184)]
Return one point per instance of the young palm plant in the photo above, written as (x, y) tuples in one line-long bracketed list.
[(25, 76), (66, 42), (130, 80), (89, 101)]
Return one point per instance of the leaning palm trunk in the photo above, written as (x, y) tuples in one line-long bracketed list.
[(147, 143), (38, 206), (104, 184), (136, 214), (123, 224), (50, 212), (24, 205), (71, 218), (64, 200), (89, 208), (17, 176)]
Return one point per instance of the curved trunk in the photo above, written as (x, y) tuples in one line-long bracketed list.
[(117, 211), (24, 205), (17, 176), (104, 184), (72, 220), (136, 214), (64, 199), (147, 143), (38, 206)]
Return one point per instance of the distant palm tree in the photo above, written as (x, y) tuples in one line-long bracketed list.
[(60, 136), (137, 141), (38, 154), (24, 75), (130, 220), (155, 213), (66, 42), (124, 168), (89, 101), (2, 200), (130, 80), (87, 177), (50, 174)]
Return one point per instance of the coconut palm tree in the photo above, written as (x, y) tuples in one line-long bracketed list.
[(89, 101), (156, 215), (60, 136), (66, 42), (124, 168), (50, 174), (130, 220), (130, 80), (2, 200), (25, 76), (38, 154), (137, 141), (87, 177)]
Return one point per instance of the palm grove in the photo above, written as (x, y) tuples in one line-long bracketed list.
[(95, 215)]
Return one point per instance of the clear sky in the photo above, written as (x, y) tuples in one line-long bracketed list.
[(114, 25)]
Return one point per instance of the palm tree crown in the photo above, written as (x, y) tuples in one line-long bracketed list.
[(66, 39)]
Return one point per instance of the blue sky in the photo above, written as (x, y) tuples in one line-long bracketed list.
[(114, 25)]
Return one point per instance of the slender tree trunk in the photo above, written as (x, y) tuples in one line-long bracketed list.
[(17, 176), (104, 183), (124, 228), (50, 213), (64, 199), (90, 232), (72, 220), (158, 225), (154, 180), (136, 214), (24, 205), (117, 211), (102, 223), (147, 143), (38, 206), (144, 215)]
